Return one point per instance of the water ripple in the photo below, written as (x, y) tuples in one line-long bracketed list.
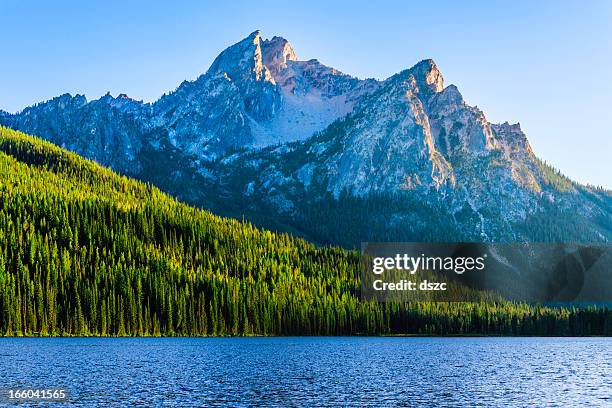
[(315, 371)]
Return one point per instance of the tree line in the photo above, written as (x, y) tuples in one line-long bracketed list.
[(84, 251)]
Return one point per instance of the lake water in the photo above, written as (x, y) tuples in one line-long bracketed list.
[(315, 371)]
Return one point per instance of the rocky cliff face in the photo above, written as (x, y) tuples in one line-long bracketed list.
[(107, 130), (419, 144), (267, 134), (255, 93)]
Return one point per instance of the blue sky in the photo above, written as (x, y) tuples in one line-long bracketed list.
[(544, 64)]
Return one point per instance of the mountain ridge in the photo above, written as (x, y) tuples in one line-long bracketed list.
[(262, 128)]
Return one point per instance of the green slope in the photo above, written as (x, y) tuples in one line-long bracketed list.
[(84, 251)]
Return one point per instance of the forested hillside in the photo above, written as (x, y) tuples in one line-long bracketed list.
[(84, 251)]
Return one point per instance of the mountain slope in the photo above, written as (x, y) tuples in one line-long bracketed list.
[(300, 147), (84, 251), (414, 162), (256, 93)]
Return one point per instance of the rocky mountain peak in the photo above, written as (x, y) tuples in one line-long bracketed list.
[(276, 53), (122, 103), (428, 75), (243, 61), (64, 101)]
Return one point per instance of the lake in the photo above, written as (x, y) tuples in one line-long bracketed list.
[(314, 371)]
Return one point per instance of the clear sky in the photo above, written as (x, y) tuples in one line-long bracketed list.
[(545, 64)]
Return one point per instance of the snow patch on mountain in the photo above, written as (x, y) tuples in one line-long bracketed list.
[(300, 117)]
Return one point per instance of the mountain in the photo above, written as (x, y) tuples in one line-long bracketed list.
[(255, 93), (414, 162), (108, 129), (84, 251), (300, 147)]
